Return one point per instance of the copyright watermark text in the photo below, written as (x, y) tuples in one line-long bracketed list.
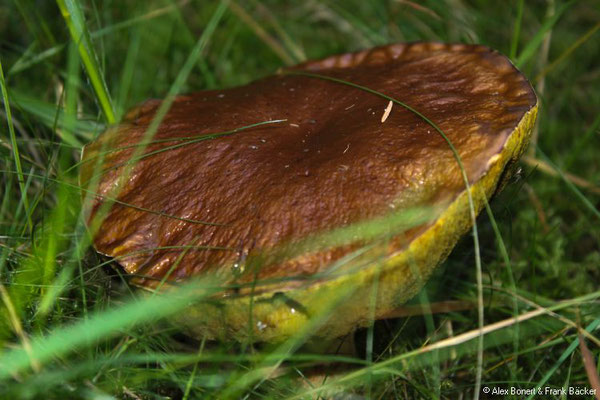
[(539, 391)]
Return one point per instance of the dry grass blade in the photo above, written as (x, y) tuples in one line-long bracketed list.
[(17, 327), (261, 33), (551, 19), (590, 365), (419, 7), (539, 208), (433, 308), (566, 321), (294, 48), (541, 84), (552, 171), (155, 13), (465, 337), (567, 52), (564, 356)]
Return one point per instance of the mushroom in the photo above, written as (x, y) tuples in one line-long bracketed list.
[(335, 156)]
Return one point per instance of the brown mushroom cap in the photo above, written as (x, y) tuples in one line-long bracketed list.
[(331, 163)]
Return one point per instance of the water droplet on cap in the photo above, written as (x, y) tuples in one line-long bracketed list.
[(261, 326)]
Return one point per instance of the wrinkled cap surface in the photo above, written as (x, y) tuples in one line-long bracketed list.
[(331, 163)]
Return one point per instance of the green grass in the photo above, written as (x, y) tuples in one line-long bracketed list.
[(70, 325)]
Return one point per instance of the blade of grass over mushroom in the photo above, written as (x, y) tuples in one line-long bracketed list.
[(538, 38), (150, 250), (186, 139), (15, 149), (267, 364), (161, 112), (176, 248), (61, 182), (182, 253), (373, 230), (75, 20), (49, 246), (370, 329), (182, 76), (103, 325), (467, 190), (62, 219)]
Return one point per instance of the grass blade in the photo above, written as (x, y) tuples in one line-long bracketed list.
[(517, 31), (261, 33), (538, 38), (71, 12), (591, 327), (101, 326), (571, 186), (54, 116), (15, 148), (567, 52)]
